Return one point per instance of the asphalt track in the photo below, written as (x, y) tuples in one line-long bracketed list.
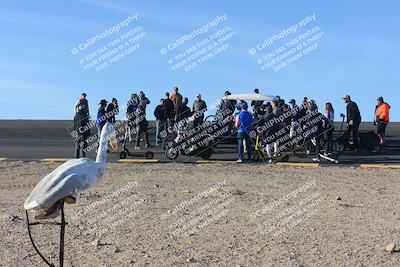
[(32, 140)]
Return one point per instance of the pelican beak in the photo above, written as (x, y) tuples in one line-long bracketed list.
[(113, 142)]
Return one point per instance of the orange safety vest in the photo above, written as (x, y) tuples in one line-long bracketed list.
[(382, 112)]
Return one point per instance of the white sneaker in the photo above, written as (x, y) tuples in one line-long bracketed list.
[(316, 159), (270, 161), (239, 161)]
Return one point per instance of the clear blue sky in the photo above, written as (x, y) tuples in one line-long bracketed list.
[(41, 79)]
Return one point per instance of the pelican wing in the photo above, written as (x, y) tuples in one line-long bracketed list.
[(69, 178)]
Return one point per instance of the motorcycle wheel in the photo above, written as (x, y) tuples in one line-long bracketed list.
[(171, 153), (123, 155)]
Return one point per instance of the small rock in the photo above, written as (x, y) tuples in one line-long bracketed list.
[(156, 186), (391, 247), (96, 243), (191, 260), (231, 190), (338, 198), (257, 249), (117, 250), (12, 217)]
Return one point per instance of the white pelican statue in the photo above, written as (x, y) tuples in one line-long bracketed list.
[(61, 185)]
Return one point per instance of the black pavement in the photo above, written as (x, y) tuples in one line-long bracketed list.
[(35, 140)]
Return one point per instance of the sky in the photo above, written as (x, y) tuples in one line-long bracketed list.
[(46, 61)]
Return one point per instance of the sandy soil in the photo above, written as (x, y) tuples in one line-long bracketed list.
[(211, 215)]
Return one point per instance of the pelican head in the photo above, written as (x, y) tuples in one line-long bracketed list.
[(112, 136), (108, 134)]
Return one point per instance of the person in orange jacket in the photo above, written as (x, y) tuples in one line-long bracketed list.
[(382, 118)]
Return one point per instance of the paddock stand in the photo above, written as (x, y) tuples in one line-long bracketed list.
[(62, 225)]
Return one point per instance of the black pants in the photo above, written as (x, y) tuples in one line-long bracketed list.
[(81, 147), (329, 140), (318, 144), (142, 132), (381, 129), (353, 129), (241, 137), (198, 121), (82, 130)]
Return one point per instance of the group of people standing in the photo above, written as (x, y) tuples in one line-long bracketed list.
[(106, 113), (264, 112), (173, 110)]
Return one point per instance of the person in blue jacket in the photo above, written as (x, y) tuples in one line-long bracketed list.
[(243, 122)]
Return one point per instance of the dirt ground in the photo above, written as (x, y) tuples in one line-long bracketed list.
[(211, 215)]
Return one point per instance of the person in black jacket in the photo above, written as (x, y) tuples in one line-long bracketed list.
[(316, 125), (199, 108), (82, 129), (228, 104), (132, 106), (143, 100), (272, 147), (101, 118), (183, 111), (182, 115), (112, 110), (353, 120), (169, 109), (161, 120), (143, 125), (256, 104)]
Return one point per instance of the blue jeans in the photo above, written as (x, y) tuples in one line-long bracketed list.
[(160, 126), (241, 137)]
